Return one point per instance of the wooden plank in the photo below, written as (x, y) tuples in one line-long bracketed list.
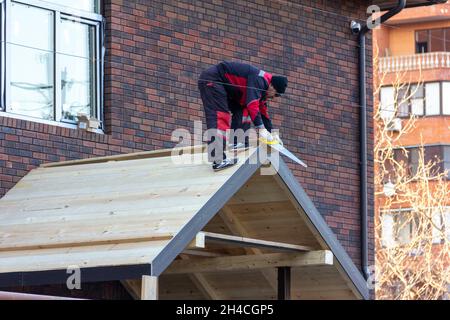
[(129, 156), (252, 262), (162, 165), (253, 195), (84, 233), (108, 211), (150, 288), (198, 242), (105, 183), (84, 257), (91, 203), (249, 242), (203, 253)]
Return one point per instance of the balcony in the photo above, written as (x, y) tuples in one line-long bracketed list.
[(423, 61)]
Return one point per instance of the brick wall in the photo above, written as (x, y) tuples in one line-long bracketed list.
[(157, 49)]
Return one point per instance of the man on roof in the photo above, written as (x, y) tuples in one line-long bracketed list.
[(235, 95)]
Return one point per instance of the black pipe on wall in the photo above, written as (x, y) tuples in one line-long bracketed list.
[(363, 133)]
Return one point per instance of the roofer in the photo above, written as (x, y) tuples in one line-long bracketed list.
[(235, 95)]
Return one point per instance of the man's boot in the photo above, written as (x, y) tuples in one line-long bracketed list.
[(226, 163)]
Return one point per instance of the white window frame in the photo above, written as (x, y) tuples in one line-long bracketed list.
[(60, 12), (443, 100), (389, 233)]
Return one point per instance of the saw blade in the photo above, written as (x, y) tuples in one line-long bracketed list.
[(288, 154)]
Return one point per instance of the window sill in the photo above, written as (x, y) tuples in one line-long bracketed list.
[(47, 122)]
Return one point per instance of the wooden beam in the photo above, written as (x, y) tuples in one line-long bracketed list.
[(149, 289), (198, 242), (201, 253), (284, 283), (252, 262), (250, 242), (133, 287), (236, 227), (202, 284)]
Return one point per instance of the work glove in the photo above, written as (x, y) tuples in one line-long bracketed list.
[(265, 135), (277, 138)]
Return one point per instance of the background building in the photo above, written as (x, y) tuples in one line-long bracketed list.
[(413, 52)]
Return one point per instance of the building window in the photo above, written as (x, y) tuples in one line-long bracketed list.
[(413, 158), (387, 102), (446, 98), (399, 227), (446, 153), (53, 59), (447, 223), (416, 99), (421, 41), (432, 99), (84, 5), (439, 155), (434, 40)]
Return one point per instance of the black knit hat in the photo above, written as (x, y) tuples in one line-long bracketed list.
[(279, 83)]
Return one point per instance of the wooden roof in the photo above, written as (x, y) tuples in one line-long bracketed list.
[(122, 217)]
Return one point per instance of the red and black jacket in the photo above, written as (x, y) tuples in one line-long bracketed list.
[(247, 86)]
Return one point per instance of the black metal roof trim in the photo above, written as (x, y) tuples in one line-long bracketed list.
[(93, 274)]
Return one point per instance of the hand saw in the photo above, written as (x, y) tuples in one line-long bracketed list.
[(281, 149)]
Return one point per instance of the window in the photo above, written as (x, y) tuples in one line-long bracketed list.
[(387, 102), (421, 41), (434, 40), (85, 5), (417, 99), (53, 59), (399, 227), (437, 40), (387, 230), (446, 98), (31, 62), (404, 227), (439, 155), (432, 99), (437, 227), (413, 157), (447, 223), (433, 154), (77, 67), (403, 104), (446, 153)]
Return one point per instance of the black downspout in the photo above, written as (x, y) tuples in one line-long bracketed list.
[(363, 129)]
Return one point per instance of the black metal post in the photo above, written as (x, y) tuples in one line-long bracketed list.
[(284, 283)]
